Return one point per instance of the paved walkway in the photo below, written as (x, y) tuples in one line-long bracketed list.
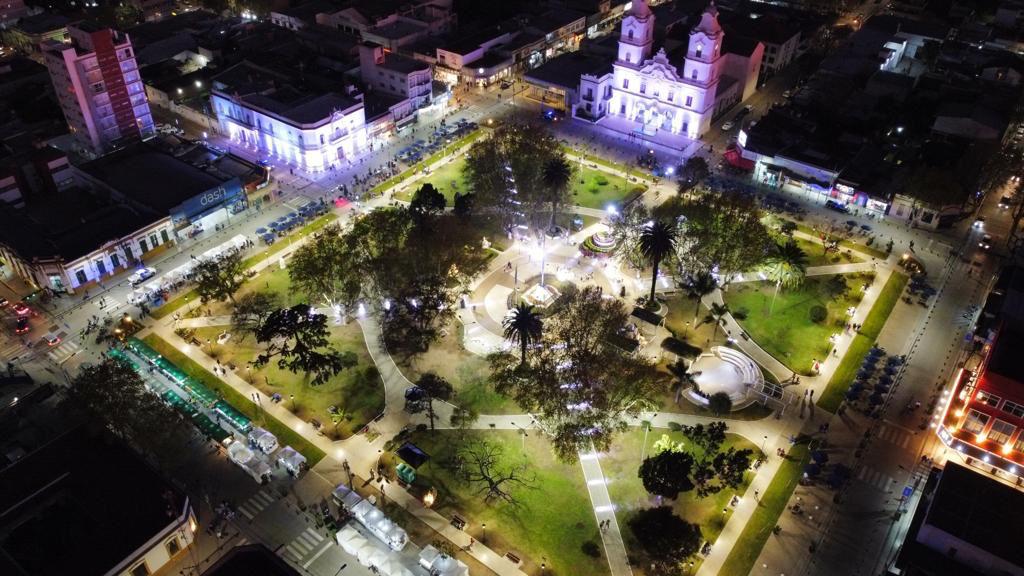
[(604, 512)]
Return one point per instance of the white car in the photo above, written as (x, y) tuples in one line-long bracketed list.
[(51, 339), (727, 126), (986, 242), (141, 276)]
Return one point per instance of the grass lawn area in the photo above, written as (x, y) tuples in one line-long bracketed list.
[(871, 251), (744, 553), (788, 333), (594, 188), (627, 492), (468, 373), (832, 397), (432, 159), (356, 392), (285, 435), (816, 254), (554, 518)]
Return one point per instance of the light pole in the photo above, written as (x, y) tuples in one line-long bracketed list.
[(483, 535), (292, 398), (647, 428), (764, 443)]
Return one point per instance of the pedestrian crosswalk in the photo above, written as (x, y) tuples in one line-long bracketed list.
[(63, 351), (875, 478), (256, 504), (894, 435), (11, 349), (308, 544)]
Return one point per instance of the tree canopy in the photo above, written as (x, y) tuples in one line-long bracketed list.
[(666, 539), (667, 473), (298, 337), (579, 385), (251, 310), (694, 171), (721, 233), (321, 268), (219, 278)]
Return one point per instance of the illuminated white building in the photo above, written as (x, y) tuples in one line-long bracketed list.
[(260, 108), (655, 92)]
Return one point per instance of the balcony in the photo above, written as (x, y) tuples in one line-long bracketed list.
[(338, 135), (588, 97)]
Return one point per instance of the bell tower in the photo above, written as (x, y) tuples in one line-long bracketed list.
[(637, 34)]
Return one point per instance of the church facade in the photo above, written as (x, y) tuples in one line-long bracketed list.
[(678, 92)]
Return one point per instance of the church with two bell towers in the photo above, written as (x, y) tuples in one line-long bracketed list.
[(656, 92)]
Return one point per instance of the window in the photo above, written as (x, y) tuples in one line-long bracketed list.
[(643, 87), (142, 246), (629, 34), (1019, 444), (622, 109), (686, 127), (101, 267), (987, 399), (115, 261), (1014, 409), (163, 234), (172, 547), (699, 50), (590, 93), (140, 570), (1001, 431), (671, 96), (975, 422), (693, 74), (625, 83), (80, 276), (152, 240), (689, 100)]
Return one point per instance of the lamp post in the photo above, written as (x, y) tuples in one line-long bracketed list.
[(292, 398), (483, 535), (764, 443)]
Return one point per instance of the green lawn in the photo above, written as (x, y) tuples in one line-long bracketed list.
[(862, 343), (788, 333), (468, 373), (627, 492), (553, 520), (430, 160), (285, 435), (747, 548), (816, 255), (871, 251)]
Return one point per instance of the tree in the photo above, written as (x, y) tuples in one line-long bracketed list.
[(481, 462), (463, 417), (626, 227), (523, 325), (434, 387), (666, 539), (667, 473), (692, 173), (463, 205), (113, 392), (127, 15), (427, 200), (321, 268), (716, 314), (722, 233), (730, 467), (657, 241), (700, 285), (683, 378), (251, 310), (787, 267), (578, 385), (715, 469), (219, 278), (556, 176), (719, 403), (298, 338), (707, 437)]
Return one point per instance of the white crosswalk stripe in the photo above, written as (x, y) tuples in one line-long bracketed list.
[(894, 435), (256, 504), (61, 352), (11, 349), (304, 544), (875, 478)]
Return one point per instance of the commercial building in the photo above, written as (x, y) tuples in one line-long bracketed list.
[(311, 129), (660, 93), (395, 74), (29, 34), (99, 87), (983, 418), (107, 512)]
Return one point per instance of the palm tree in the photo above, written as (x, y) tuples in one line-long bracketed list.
[(657, 240), (787, 267), (523, 325), (683, 378), (556, 176), (701, 284), (716, 314)]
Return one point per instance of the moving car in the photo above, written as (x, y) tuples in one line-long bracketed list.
[(21, 308), (837, 206), (986, 242), (1005, 202), (51, 339), (979, 222), (21, 326), (141, 276)]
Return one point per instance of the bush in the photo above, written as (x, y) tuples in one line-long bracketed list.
[(601, 180), (818, 314), (719, 403), (675, 426), (680, 348), (590, 548)]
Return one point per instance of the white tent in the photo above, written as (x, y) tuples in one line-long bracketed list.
[(292, 460), (345, 496), (378, 558), (364, 554), (441, 565), (263, 440), (240, 453)]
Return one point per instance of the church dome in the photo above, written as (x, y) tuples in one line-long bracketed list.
[(709, 21), (640, 9)]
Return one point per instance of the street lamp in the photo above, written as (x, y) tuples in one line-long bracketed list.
[(764, 443), (483, 536), (292, 398)]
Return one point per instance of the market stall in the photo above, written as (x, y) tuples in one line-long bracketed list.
[(262, 440)]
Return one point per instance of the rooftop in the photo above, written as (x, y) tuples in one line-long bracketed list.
[(89, 493), (249, 560), (557, 18), (979, 511), (395, 30), (565, 70), (767, 28), (1004, 359), (41, 23)]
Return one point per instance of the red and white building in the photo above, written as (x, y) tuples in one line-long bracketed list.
[(99, 87)]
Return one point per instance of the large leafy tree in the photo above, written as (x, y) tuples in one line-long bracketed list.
[(787, 267), (523, 325), (251, 309), (427, 200), (716, 469), (299, 338), (692, 173), (666, 539), (722, 233), (321, 268), (506, 171), (657, 241), (219, 278), (434, 387), (697, 287), (556, 176), (579, 385), (484, 465), (113, 392), (667, 473), (626, 227)]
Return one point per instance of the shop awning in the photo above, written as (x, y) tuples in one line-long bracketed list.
[(735, 159)]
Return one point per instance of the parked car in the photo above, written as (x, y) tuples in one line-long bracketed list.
[(21, 309), (21, 326), (837, 206), (979, 222), (141, 275)]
